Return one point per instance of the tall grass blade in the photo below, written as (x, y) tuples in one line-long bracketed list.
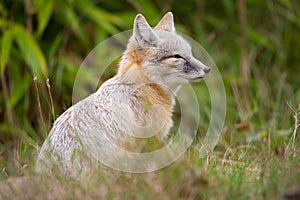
[(31, 52), (6, 44), (44, 12)]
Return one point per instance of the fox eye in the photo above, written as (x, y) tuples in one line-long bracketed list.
[(173, 56), (177, 56)]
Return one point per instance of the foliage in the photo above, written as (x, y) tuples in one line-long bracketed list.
[(255, 45)]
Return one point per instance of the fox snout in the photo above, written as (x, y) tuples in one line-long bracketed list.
[(195, 70), (206, 70)]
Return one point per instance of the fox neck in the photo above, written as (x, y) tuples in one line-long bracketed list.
[(134, 73), (154, 92)]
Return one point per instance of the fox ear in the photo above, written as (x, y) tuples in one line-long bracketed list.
[(166, 23), (143, 33)]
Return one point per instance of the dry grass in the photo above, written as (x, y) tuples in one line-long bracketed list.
[(244, 172)]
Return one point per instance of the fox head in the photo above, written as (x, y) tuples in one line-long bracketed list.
[(164, 56)]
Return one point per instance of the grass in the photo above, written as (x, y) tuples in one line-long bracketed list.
[(243, 172), (255, 45)]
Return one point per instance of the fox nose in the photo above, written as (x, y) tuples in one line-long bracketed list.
[(206, 70)]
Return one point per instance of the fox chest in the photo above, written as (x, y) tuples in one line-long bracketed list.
[(137, 111)]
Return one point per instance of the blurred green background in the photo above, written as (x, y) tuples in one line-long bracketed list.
[(255, 44)]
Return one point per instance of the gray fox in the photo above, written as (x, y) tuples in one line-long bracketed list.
[(137, 101)]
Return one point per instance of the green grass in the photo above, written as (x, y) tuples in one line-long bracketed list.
[(256, 47), (244, 172)]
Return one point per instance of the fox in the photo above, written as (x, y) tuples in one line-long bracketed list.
[(136, 103)]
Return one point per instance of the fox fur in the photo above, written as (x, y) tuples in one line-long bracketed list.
[(138, 101)]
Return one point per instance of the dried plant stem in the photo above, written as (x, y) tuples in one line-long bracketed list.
[(296, 126), (50, 96), (241, 108), (244, 59), (38, 99), (29, 10)]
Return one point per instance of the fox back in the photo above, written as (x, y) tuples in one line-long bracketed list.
[(136, 103)]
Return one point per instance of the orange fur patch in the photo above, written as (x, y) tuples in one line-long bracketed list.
[(157, 95), (134, 58)]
